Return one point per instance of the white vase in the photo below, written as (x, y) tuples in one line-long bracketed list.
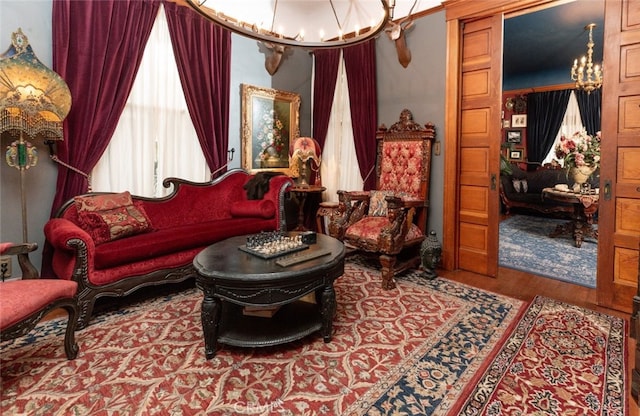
[(581, 174)]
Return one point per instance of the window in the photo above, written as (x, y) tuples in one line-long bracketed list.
[(155, 137)]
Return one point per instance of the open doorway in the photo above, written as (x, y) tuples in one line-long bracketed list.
[(539, 48)]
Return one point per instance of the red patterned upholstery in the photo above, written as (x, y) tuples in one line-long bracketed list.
[(21, 298), (401, 168), (25, 301), (391, 220)]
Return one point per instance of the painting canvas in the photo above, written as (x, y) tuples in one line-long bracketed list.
[(270, 122)]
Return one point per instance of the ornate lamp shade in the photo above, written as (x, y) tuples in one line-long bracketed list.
[(304, 153), (33, 99)]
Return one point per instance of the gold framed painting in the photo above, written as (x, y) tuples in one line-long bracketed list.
[(270, 122)]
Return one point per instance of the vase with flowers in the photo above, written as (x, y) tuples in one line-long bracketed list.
[(581, 156), (271, 138)]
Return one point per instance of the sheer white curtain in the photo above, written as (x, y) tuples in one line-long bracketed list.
[(339, 167), (571, 123), (155, 138)]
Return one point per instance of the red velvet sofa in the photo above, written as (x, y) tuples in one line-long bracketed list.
[(115, 243)]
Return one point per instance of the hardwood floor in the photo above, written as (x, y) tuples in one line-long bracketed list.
[(526, 286)]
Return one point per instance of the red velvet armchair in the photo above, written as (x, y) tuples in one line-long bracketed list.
[(390, 222), (25, 301)]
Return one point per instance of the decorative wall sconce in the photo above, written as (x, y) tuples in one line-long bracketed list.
[(34, 101)]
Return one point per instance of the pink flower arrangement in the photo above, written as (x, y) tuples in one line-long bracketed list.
[(579, 150)]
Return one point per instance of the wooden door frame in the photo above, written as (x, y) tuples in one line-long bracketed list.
[(457, 13)]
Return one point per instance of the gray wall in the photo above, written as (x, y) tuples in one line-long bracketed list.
[(34, 17), (419, 87)]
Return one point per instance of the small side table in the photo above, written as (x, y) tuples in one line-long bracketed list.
[(584, 208), (301, 193), (325, 210)]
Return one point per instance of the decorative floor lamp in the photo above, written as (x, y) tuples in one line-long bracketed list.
[(34, 101)]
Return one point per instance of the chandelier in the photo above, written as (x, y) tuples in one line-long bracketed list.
[(587, 76), (300, 23)]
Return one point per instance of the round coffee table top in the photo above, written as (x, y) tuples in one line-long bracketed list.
[(225, 260)]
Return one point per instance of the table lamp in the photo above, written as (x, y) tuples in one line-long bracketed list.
[(304, 158), (34, 101)]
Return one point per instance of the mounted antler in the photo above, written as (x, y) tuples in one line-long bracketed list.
[(273, 56), (396, 32)]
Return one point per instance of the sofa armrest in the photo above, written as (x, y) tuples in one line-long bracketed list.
[(73, 249), (278, 186)]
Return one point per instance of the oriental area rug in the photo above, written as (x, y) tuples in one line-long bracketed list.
[(525, 245), (422, 348), (561, 360)]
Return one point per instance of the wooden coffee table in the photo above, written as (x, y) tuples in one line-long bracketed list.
[(233, 280)]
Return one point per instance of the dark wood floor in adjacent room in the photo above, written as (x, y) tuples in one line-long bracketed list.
[(526, 286)]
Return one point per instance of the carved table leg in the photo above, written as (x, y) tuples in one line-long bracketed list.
[(578, 234), (328, 310), (210, 316)]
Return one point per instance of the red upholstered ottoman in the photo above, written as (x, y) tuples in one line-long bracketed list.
[(23, 303)]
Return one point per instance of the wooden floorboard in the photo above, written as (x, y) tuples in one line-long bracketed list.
[(525, 286)]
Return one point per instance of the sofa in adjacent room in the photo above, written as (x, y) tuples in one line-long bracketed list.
[(523, 189), (115, 243)]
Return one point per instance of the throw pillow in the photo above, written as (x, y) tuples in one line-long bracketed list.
[(378, 203), (516, 185), (111, 216), (102, 202), (520, 185)]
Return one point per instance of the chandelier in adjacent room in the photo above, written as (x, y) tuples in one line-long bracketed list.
[(314, 24), (587, 76)]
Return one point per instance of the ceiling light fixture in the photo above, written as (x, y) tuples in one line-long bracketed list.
[(298, 23), (587, 76)]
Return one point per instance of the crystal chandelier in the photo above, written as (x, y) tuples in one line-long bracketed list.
[(300, 23), (587, 76)]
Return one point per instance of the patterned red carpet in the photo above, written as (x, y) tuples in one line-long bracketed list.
[(561, 360), (417, 349)]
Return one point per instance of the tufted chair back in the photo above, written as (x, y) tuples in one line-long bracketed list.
[(403, 165), (392, 218)]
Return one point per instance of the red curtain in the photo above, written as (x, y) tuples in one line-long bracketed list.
[(326, 64), (203, 56), (97, 49), (360, 65)]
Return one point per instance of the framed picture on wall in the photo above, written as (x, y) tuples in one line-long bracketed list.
[(516, 154), (270, 122), (513, 135), (519, 120)]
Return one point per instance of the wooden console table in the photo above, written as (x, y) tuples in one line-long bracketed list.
[(584, 208)]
